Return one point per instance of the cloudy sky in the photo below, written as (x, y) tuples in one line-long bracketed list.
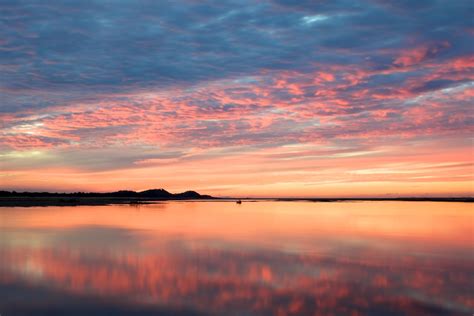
[(242, 98)]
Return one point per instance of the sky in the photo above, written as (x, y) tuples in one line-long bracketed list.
[(238, 98)]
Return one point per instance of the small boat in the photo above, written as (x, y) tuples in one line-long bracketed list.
[(238, 202)]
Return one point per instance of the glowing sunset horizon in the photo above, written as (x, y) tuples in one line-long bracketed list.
[(266, 98)]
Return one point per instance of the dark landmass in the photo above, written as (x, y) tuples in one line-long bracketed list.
[(408, 199), (12, 198)]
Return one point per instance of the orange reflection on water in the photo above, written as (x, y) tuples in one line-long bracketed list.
[(265, 258), (428, 222)]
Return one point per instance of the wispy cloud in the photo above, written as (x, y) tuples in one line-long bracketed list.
[(166, 80)]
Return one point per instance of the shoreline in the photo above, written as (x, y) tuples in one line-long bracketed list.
[(81, 201), (100, 201)]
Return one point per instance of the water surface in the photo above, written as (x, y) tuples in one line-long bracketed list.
[(258, 258)]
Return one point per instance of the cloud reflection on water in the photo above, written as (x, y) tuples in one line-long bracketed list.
[(92, 268)]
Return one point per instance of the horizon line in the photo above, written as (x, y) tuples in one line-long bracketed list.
[(364, 197)]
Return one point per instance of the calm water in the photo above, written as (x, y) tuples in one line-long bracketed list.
[(220, 258)]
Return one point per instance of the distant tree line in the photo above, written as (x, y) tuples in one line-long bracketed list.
[(150, 194)]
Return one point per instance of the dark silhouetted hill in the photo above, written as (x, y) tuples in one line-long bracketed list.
[(147, 194), (156, 193)]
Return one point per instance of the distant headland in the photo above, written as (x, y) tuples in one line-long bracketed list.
[(13, 198)]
